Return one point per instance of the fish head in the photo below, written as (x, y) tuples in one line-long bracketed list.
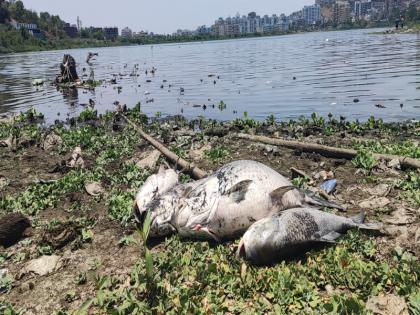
[(257, 244), (154, 187), (161, 213)]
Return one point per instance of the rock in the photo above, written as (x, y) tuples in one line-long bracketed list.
[(43, 265), (150, 161), (4, 182), (389, 304), (27, 286), (52, 141), (3, 273), (272, 149), (8, 143), (94, 188), (374, 203), (197, 155), (330, 289), (401, 216), (380, 190), (395, 163), (324, 175)]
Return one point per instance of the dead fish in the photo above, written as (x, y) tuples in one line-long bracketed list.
[(225, 204), (155, 186), (294, 231)]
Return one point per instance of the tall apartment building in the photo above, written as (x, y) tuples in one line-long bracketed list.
[(111, 32), (71, 30), (378, 9), (311, 14), (250, 24), (341, 12), (362, 9), (126, 33)]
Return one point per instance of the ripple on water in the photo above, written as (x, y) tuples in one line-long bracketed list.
[(287, 76)]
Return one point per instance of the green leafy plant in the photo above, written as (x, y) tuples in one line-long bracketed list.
[(87, 235), (6, 283), (127, 240), (80, 279), (365, 160), (216, 154)]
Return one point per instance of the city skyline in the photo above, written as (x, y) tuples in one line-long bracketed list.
[(160, 17)]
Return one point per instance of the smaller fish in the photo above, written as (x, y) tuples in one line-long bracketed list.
[(295, 230)]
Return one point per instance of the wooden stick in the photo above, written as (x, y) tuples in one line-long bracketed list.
[(196, 172), (329, 151)]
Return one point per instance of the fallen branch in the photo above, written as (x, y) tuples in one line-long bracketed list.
[(184, 165), (328, 151)]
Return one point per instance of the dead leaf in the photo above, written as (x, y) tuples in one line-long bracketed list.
[(198, 154), (401, 216), (380, 190), (150, 161), (94, 188), (52, 141), (387, 305), (76, 159), (43, 265), (374, 203)]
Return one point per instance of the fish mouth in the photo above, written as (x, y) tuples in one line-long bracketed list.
[(140, 217), (241, 252)]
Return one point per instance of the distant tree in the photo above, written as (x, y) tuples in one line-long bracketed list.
[(17, 10), (4, 15), (412, 13), (99, 35)]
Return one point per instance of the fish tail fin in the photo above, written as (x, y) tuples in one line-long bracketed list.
[(359, 220), (376, 227)]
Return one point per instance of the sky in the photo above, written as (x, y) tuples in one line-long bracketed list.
[(159, 16)]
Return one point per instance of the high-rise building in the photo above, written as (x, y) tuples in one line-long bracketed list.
[(126, 33), (250, 24), (71, 30), (341, 12), (362, 8), (111, 32), (311, 14), (378, 9)]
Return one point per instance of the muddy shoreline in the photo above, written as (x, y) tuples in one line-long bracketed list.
[(79, 201)]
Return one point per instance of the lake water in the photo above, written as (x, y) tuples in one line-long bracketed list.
[(287, 76)]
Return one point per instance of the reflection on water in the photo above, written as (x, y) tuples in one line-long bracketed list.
[(346, 73)]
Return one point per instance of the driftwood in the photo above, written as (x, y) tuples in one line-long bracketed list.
[(184, 165), (328, 151), (68, 73)]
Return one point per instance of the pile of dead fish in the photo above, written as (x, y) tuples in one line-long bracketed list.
[(243, 198)]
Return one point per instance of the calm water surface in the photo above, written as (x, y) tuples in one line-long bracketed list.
[(287, 76)]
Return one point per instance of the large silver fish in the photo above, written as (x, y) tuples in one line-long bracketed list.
[(293, 232), (223, 205)]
